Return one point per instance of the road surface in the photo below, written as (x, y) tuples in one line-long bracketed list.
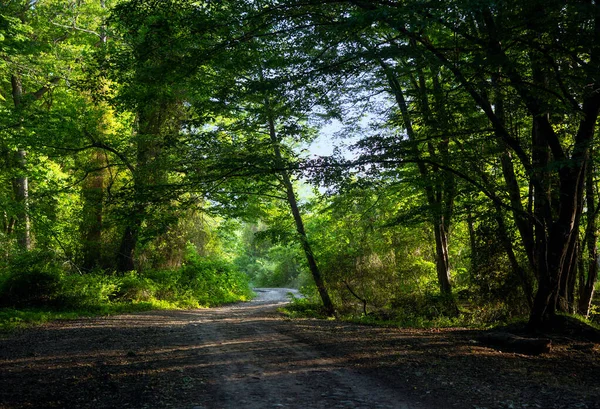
[(241, 356)]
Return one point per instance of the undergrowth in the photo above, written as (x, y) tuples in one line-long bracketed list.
[(410, 311), (310, 307), (35, 288), (306, 308)]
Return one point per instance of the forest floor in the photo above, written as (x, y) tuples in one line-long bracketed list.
[(250, 356)]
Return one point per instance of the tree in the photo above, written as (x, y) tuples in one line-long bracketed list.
[(523, 52), (33, 53)]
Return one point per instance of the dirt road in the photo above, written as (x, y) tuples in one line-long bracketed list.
[(239, 356), (249, 356)]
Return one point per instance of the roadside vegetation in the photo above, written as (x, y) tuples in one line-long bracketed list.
[(36, 288), (161, 154)]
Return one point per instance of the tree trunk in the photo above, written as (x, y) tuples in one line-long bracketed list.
[(440, 195), (566, 301), (93, 207), (587, 286), (291, 198), (442, 265), (155, 121), (560, 234), (21, 182), (587, 283), (125, 255), (21, 191), (472, 242), (556, 248)]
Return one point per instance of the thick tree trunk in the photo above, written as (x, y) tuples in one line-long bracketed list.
[(125, 256), (442, 264), (558, 238), (155, 122), (556, 248)]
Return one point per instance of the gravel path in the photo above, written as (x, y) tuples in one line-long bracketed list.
[(238, 356), (247, 356)]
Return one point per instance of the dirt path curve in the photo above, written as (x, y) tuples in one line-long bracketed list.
[(238, 356), (247, 356)]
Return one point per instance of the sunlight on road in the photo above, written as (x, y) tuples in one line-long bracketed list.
[(274, 295)]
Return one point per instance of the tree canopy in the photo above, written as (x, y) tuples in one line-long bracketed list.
[(140, 136)]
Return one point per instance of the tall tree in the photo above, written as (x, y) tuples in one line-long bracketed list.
[(531, 47)]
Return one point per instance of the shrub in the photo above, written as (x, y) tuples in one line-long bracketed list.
[(31, 279), (304, 308), (34, 286), (89, 291), (214, 281), (133, 287)]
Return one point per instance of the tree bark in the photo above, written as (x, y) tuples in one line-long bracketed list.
[(126, 252), (442, 264), (293, 203), (472, 239), (93, 208), (587, 282), (155, 122), (21, 191), (21, 182), (440, 196)]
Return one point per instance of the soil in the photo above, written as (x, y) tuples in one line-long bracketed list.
[(249, 356)]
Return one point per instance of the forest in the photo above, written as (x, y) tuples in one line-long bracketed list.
[(423, 162)]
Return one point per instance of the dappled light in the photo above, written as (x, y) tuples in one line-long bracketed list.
[(299, 203), (217, 358)]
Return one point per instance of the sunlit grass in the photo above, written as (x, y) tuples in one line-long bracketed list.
[(37, 291), (11, 318)]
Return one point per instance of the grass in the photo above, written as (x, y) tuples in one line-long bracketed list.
[(566, 324), (12, 318), (40, 291)]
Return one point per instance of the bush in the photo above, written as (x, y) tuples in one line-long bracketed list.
[(31, 279), (133, 287), (89, 291), (214, 281), (37, 280), (304, 308)]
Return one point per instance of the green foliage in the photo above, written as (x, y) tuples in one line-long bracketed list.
[(269, 256), (280, 266), (31, 279), (145, 123), (304, 308), (35, 287), (14, 318), (214, 281)]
